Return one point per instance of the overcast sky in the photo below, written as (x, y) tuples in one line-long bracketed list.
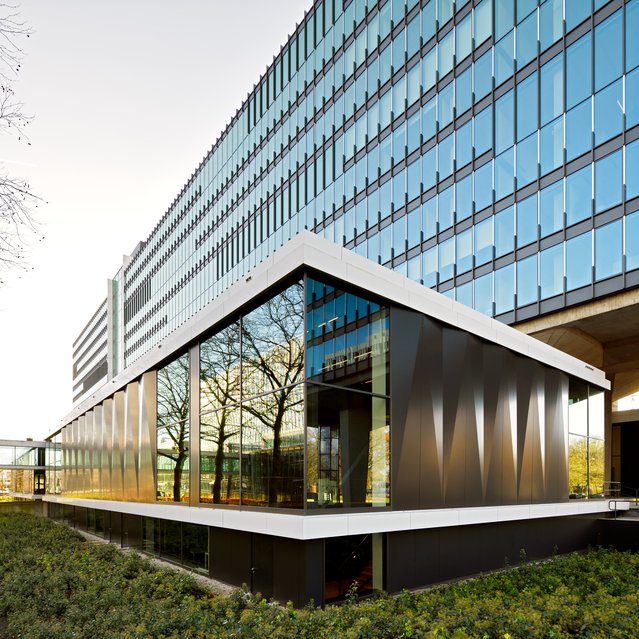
[(128, 96)]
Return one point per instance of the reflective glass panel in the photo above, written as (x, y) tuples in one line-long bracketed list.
[(504, 232), (608, 251), (484, 294), (505, 289), (608, 112), (551, 208), (608, 183), (173, 430), (608, 52), (579, 195), (579, 261), (632, 241), (347, 449), (551, 271), (272, 352), (273, 449), (579, 130), (527, 221)]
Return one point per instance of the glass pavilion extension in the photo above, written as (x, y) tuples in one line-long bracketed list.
[(271, 392)]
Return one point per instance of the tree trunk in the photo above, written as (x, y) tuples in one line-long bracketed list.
[(177, 476)]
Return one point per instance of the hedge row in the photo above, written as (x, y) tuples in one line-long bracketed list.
[(55, 585)]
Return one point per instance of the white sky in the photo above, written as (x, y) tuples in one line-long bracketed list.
[(128, 96)]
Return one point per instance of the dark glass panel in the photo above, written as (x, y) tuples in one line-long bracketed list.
[(348, 562), (347, 448), (195, 546), (273, 449), (173, 430)]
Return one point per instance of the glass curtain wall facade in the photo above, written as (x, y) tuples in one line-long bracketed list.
[(487, 149)]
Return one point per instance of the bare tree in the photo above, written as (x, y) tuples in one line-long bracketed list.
[(173, 418), (17, 201), (220, 386)]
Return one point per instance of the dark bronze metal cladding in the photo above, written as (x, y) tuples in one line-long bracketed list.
[(473, 424)]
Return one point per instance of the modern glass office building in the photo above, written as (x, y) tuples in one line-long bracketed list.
[(485, 149)]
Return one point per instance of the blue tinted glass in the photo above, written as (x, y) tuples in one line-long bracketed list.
[(399, 236), (463, 38), (504, 58), (483, 21), (608, 52), (399, 96), (412, 36), (483, 128), (504, 232), (550, 23), (552, 89), (524, 7), (484, 242), (446, 259), (504, 17), (445, 50), (385, 64), (464, 145), (527, 40), (504, 122), (413, 269), (484, 294), (444, 11), (551, 208), (399, 51), (429, 267), (527, 281), (429, 119), (413, 180), (414, 228), (429, 218), (399, 9), (484, 186), (608, 250), (464, 197), (446, 164), (464, 91), (527, 221), (576, 11), (632, 241), (399, 143), (429, 168), (551, 146), (632, 98), (429, 69), (579, 261), (527, 161), (578, 71), (413, 138), (579, 195), (385, 199), (505, 289), (632, 29), (399, 190), (608, 182), (464, 294), (632, 170), (464, 251), (385, 109), (413, 90), (527, 106), (446, 207), (483, 75), (428, 20), (551, 271), (608, 112), (446, 104), (504, 174), (578, 130), (385, 244), (385, 155)]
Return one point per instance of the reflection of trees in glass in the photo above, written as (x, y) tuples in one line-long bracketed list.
[(219, 388), (578, 465), (596, 467), (273, 358), (173, 419)]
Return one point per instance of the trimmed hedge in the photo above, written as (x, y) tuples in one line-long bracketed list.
[(54, 584)]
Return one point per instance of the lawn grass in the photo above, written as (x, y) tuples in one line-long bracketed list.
[(55, 585)]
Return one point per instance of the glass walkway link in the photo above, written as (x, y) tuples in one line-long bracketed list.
[(22, 470)]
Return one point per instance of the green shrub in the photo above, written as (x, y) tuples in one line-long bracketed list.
[(54, 585)]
